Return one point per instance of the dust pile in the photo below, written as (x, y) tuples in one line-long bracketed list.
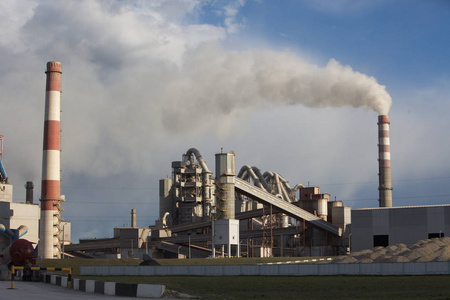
[(437, 249)]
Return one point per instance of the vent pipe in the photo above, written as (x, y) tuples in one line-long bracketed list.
[(384, 162)]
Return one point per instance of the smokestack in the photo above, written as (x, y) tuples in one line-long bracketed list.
[(29, 186), (384, 162), (133, 218), (51, 166)]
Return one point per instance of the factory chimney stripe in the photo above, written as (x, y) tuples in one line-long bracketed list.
[(52, 138), (51, 164)]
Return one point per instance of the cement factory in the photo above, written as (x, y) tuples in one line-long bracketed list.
[(228, 212)]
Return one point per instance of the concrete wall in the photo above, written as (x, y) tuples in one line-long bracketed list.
[(6, 192), (401, 224), (430, 268)]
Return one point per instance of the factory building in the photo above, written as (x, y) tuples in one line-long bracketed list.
[(373, 227), (22, 218), (127, 242), (13, 215), (16, 216), (245, 213)]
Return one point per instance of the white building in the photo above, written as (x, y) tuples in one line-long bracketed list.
[(14, 214)]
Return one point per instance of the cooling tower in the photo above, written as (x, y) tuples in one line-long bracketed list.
[(49, 234), (384, 162)]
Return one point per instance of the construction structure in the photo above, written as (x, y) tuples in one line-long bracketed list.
[(50, 231), (273, 219), (127, 242)]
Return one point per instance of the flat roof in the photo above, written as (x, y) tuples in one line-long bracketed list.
[(400, 207)]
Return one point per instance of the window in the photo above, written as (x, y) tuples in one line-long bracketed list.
[(435, 235), (381, 240)]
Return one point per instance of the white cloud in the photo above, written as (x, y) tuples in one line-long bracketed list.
[(13, 15)]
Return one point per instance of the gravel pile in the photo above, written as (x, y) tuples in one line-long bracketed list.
[(437, 249)]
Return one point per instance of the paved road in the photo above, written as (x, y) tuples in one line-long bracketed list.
[(45, 291)]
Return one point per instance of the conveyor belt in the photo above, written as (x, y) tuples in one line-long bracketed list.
[(264, 197), (94, 245)]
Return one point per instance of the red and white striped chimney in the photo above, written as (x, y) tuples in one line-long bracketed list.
[(384, 162), (51, 165)]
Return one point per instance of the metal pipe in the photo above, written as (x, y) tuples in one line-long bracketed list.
[(199, 158), (261, 178), (248, 172)]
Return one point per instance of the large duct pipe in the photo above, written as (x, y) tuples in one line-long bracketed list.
[(29, 186), (384, 162), (51, 161), (199, 159)]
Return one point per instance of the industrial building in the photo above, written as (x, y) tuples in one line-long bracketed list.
[(15, 216), (127, 242), (373, 227), (228, 213), (246, 213), (258, 214)]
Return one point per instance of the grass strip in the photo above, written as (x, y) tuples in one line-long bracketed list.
[(308, 287)]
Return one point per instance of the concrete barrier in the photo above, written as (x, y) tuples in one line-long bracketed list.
[(109, 288)]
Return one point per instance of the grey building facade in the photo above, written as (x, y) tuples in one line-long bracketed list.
[(385, 226)]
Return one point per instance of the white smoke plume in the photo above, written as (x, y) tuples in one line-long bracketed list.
[(134, 72), (217, 81)]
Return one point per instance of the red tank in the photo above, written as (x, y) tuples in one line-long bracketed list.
[(22, 253)]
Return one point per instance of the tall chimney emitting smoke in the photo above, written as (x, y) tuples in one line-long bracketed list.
[(49, 245), (384, 162)]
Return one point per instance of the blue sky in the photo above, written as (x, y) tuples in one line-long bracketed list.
[(404, 40), (144, 81)]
